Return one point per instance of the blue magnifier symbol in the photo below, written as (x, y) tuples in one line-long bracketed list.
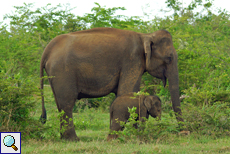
[(9, 141)]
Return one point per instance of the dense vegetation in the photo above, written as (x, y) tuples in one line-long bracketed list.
[(201, 40)]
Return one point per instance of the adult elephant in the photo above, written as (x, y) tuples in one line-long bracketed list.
[(93, 63)]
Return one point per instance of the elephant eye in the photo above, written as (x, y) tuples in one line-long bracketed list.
[(169, 59)]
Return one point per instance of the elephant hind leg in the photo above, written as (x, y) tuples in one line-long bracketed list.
[(65, 96)]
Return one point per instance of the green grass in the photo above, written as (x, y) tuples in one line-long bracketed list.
[(94, 130), (98, 145)]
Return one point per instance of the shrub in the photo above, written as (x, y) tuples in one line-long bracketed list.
[(213, 120), (16, 102)]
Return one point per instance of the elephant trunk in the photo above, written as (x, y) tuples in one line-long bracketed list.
[(173, 79), (159, 117)]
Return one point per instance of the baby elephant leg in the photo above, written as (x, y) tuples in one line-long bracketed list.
[(114, 127)]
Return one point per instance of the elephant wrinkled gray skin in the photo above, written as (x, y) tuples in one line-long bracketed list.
[(93, 63), (146, 105)]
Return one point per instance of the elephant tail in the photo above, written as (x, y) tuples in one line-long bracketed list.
[(43, 116)]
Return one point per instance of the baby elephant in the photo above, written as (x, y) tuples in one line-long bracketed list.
[(119, 109)]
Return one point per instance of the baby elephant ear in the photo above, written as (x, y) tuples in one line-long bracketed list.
[(157, 101), (157, 104), (147, 103)]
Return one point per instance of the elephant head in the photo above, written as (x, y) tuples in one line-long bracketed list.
[(153, 106), (161, 62)]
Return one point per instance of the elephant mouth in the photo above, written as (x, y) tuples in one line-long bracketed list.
[(164, 79), (160, 75)]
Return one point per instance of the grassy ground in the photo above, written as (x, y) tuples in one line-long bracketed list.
[(182, 145), (92, 127)]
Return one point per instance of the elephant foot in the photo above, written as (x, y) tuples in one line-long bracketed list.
[(111, 137), (70, 138), (70, 135)]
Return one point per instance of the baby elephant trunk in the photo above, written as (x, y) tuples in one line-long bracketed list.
[(159, 117), (153, 106), (157, 114)]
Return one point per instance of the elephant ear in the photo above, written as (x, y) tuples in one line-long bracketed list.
[(157, 101), (147, 47), (157, 104), (147, 103)]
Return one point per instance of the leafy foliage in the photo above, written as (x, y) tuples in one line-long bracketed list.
[(203, 53), (102, 17), (17, 100), (208, 120)]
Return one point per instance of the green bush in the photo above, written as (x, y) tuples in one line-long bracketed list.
[(16, 101), (199, 96), (213, 120)]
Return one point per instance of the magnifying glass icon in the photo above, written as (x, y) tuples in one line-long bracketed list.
[(9, 141)]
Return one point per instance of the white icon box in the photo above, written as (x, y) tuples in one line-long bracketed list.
[(10, 142)]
